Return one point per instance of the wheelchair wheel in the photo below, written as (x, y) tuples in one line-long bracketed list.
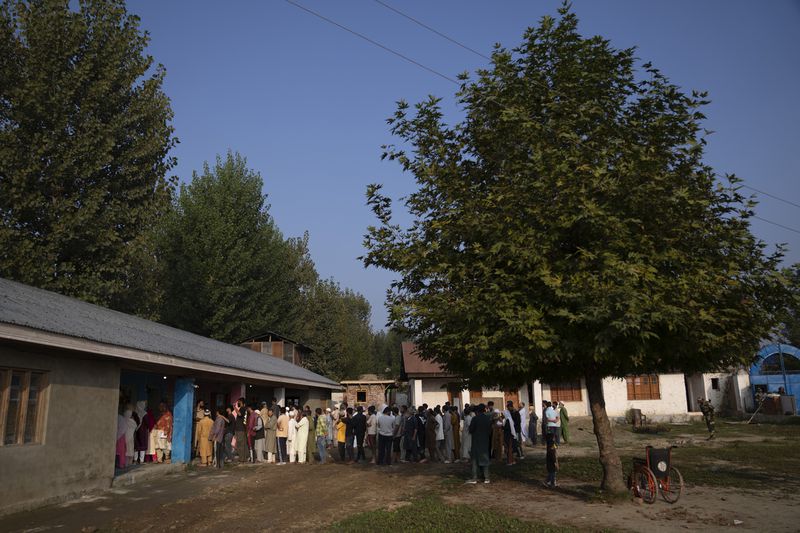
[(672, 487), (646, 485)]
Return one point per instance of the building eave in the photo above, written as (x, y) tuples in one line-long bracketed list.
[(23, 334)]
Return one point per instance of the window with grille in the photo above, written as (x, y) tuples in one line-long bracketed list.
[(644, 387), (568, 391), (21, 406)]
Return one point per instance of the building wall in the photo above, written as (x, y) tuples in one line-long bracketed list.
[(375, 394), (80, 423), (672, 404), (580, 408), (432, 392)]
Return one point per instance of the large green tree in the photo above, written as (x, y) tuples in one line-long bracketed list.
[(790, 317), (568, 227), (228, 272), (84, 140)]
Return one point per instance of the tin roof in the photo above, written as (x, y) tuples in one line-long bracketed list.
[(23, 305), (413, 364)]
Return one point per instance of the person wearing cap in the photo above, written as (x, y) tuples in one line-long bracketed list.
[(202, 438)]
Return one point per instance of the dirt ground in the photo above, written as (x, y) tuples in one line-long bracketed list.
[(310, 497)]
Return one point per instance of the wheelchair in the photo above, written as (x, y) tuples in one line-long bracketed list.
[(655, 474)]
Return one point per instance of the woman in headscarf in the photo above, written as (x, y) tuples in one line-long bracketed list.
[(497, 435), (290, 440), (142, 438), (122, 428), (130, 431), (431, 427), (455, 421)]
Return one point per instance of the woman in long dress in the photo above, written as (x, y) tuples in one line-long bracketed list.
[(290, 440), (130, 431), (466, 436)]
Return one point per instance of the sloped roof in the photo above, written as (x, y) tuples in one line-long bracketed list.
[(413, 364), (23, 305)]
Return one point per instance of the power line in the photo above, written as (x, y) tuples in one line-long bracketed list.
[(484, 56), (456, 82), (434, 30), (784, 200), (776, 224), (373, 42)]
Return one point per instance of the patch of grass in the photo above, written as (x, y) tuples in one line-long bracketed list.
[(432, 515)]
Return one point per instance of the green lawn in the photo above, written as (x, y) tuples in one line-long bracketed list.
[(432, 515), (752, 457)]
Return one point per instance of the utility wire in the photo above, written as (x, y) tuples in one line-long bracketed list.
[(776, 224), (434, 30), (373, 42), (784, 200), (456, 82), (484, 56)]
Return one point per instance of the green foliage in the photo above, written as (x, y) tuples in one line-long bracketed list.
[(568, 227), (790, 317), (84, 140), (227, 269), (387, 353), (431, 514), (336, 325)]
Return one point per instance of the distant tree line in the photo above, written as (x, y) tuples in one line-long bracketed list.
[(88, 207)]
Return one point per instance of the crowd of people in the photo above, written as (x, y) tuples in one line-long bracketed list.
[(384, 435)]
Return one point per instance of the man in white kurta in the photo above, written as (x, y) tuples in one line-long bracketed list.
[(301, 438), (290, 440)]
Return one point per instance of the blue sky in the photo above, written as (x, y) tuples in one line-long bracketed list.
[(306, 102)]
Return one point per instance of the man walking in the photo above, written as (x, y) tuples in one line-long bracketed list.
[(708, 415), (480, 429)]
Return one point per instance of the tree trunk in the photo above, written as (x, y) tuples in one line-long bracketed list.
[(609, 459)]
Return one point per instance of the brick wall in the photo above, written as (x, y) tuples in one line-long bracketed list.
[(375, 394)]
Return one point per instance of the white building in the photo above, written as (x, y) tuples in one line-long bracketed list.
[(667, 397)]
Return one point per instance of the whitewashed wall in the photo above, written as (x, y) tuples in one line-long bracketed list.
[(671, 405), (580, 408), (432, 392)]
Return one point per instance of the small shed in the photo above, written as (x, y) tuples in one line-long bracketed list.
[(368, 390)]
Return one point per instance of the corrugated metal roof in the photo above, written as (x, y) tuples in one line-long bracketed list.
[(23, 305)]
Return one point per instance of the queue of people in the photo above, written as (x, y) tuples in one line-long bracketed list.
[(384, 435)]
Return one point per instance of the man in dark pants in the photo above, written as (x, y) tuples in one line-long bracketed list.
[(360, 430), (350, 434), (385, 437), (481, 430)]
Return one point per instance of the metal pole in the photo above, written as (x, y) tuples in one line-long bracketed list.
[(783, 369)]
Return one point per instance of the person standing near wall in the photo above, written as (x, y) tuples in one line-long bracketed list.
[(480, 429), (259, 437), (466, 436), (446, 447), (359, 423), (341, 437), (563, 416), (311, 446), (164, 434), (203, 438), (321, 433), (282, 432), (372, 432), (533, 425), (301, 436), (218, 438), (385, 437), (229, 433), (455, 422)]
